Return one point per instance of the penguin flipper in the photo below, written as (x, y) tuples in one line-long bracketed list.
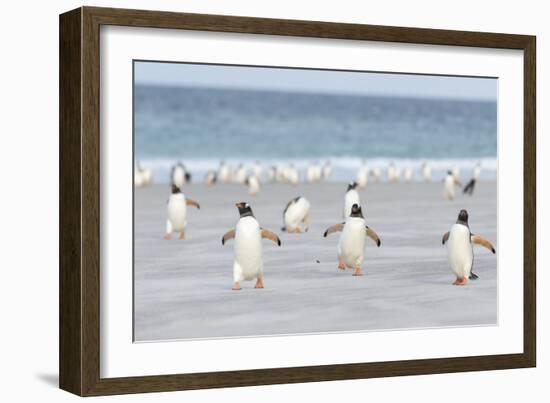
[(334, 228), (228, 235), (373, 235), (445, 238), (271, 236), (190, 202), (479, 240)]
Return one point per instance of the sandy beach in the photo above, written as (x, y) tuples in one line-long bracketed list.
[(183, 290)]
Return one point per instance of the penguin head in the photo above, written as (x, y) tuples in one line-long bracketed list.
[(462, 217), (175, 189), (449, 172), (244, 209), (356, 211), (351, 186)]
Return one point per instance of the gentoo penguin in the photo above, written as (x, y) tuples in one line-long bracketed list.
[(292, 175), (327, 170), (351, 247), (469, 188), (146, 175), (363, 176), (179, 175), (248, 234), (408, 175), (257, 170), (376, 174), (392, 173), (351, 198), (460, 250), (211, 177), (314, 172), (224, 173), (295, 213), (449, 185), (253, 185), (177, 213), (240, 174), (426, 172), (456, 172), (272, 174), (477, 171)]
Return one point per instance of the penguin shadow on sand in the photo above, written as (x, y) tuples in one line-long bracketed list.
[(460, 252), (248, 235)]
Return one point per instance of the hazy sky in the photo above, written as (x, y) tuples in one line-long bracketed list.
[(324, 81)]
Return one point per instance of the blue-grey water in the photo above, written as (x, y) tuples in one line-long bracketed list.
[(201, 126)]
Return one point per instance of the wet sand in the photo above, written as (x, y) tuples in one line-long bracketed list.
[(183, 288)]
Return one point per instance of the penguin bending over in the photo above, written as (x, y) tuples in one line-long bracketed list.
[(460, 249), (295, 213), (248, 234), (450, 182), (177, 213), (351, 198), (351, 246)]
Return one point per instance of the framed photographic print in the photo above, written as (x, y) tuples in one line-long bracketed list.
[(248, 201)]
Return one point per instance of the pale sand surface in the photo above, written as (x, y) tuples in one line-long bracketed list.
[(183, 288)]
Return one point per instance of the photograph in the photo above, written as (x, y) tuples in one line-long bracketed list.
[(273, 201)]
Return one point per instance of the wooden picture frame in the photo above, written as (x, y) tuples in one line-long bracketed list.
[(79, 346)]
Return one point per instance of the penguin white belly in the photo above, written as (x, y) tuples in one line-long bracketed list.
[(459, 250), (363, 177), (449, 190), (248, 263), (177, 212), (352, 197), (351, 246), (296, 212)]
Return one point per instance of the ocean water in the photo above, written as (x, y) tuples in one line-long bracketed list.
[(200, 127)]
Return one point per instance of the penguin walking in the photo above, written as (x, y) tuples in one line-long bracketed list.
[(426, 172), (240, 174), (351, 246), (408, 175), (460, 249), (177, 213), (295, 213), (224, 172), (376, 174), (469, 188), (351, 198), (248, 263), (211, 177), (253, 185), (450, 182), (363, 176)]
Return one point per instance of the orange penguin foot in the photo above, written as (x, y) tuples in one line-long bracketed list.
[(236, 286), (182, 235), (357, 272), (341, 266), (461, 281), (167, 236), (259, 283)]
